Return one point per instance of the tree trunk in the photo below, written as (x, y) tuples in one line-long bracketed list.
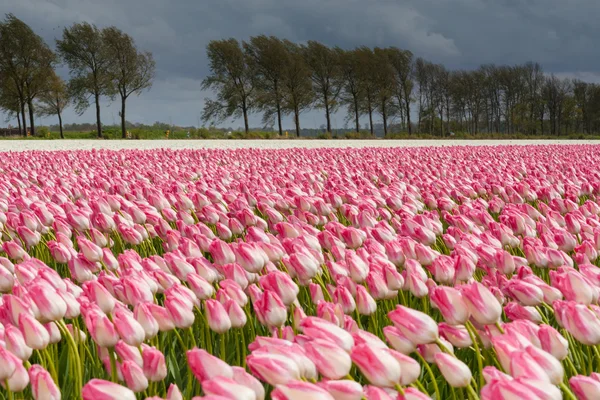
[(19, 121), (297, 121), (407, 102), (279, 117), (370, 115), (356, 117), (123, 130), (384, 115), (31, 123), (246, 127), (327, 116), (98, 123), (24, 118), (62, 136)]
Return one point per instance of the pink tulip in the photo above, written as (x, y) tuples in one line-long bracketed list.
[(243, 378), (274, 369), (42, 385), (343, 390), (174, 393), (130, 331), (411, 369), (19, 379), (481, 303), (398, 341), (457, 335), (456, 373), (551, 365), (377, 365), (451, 304), (91, 251), (181, 311), (217, 317), (13, 250), (98, 389), (221, 252), (270, 309), (102, 330), (34, 333), (523, 365), (331, 360), (155, 368), (553, 342), (50, 305), (297, 390), (205, 366), (227, 388), (318, 328), (8, 364), (134, 376), (144, 317), (585, 388), (416, 326)]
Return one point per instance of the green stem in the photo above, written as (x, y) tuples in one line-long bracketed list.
[(500, 328), (431, 375), (75, 353), (10, 394), (113, 365), (568, 393), (470, 329), (399, 389), (223, 348), (472, 392)]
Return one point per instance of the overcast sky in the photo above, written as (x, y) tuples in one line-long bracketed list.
[(560, 34)]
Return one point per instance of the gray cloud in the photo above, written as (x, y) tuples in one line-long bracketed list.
[(459, 33)]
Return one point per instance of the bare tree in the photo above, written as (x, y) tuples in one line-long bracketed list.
[(83, 49), (130, 70)]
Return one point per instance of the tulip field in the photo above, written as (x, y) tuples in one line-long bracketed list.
[(293, 274)]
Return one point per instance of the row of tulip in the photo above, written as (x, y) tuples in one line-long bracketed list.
[(447, 273)]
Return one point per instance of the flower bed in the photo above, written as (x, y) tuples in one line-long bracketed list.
[(446, 273)]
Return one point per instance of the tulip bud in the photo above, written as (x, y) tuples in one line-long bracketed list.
[(343, 390), (227, 388), (585, 388), (456, 373), (34, 333), (331, 360), (97, 389), (416, 326), (481, 303), (134, 376), (274, 369), (377, 365), (205, 366)]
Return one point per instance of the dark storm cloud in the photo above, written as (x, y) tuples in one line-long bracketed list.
[(459, 33)]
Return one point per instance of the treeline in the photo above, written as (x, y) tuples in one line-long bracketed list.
[(102, 62), (276, 77)]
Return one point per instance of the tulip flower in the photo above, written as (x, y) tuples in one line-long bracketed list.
[(155, 368), (481, 303), (456, 373), (416, 326), (274, 369), (34, 333), (331, 360), (217, 317), (98, 389), (297, 390), (227, 388), (205, 366), (377, 365), (584, 387), (243, 378), (42, 385)]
